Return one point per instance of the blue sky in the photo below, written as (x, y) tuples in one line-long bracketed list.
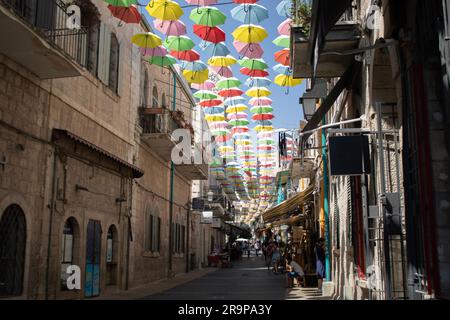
[(287, 109)]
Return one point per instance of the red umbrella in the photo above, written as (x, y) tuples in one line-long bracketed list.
[(266, 148), (254, 73), (263, 117), (232, 92), (226, 72), (126, 14), (188, 55), (283, 57), (240, 130), (210, 103), (223, 138), (210, 34)]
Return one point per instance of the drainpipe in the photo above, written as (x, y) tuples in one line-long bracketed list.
[(188, 223), (326, 206), (50, 225), (172, 173)]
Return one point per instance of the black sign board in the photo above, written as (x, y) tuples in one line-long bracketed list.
[(349, 156), (198, 204)]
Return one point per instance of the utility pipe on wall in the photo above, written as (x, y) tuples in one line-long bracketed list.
[(172, 173)]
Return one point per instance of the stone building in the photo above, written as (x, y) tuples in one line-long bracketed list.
[(86, 177), (386, 231)]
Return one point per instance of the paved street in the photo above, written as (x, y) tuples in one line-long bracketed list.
[(246, 280)]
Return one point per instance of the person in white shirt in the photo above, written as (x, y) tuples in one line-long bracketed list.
[(294, 270)]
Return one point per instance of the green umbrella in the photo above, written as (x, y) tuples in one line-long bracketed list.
[(121, 3), (253, 64), (179, 43), (205, 95), (282, 41), (166, 61), (208, 16), (228, 83), (261, 110), (266, 142), (238, 123)]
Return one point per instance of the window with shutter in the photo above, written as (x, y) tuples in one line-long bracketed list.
[(104, 52), (114, 64)]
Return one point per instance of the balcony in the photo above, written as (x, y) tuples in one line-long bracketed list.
[(35, 35), (321, 49), (198, 168)]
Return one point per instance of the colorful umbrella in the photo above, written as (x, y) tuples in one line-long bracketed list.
[(262, 101), (146, 40), (257, 92), (250, 13), (210, 34), (222, 61), (237, 108), (249, 50), (254, 73), (126, 14), (211, 103), (164, 9), (250, 33), (170, 28), (208, 16), (279, 68), (263, 117), (237, 116), (216, 49), (194, 65), (284, 28), (207, 85), (223, 71), (179, 43), (261, 109), (240, 129), (287, 81), (215, 117), (263, 128), (239, 123), (165, 61), (282, 41), (202, 2), (258, 82), (159, 51), (234, 101), (187, 55), (213, 110), (232, 92), (284, 8), (205, 95), (121, 3), (253, 64), (228, 83), (283, 57), (196, 76)]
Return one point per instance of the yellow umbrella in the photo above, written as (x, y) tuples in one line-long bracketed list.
[(146, 40), (226, 148), (164, 10), (215, 117), (257, 92), (287, 81), (237, 108), (196, 76), (249, 33), (222, 61), (243, 142), (263, 128)]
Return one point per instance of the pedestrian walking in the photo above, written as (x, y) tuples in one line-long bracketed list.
[(276, 258), (268, 255), (320, 261), (257, 247)]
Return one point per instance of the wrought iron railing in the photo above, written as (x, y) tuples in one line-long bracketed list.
[(157, 122), (51, 19)]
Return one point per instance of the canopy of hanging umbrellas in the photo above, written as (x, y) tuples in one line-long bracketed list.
[(246, 171)]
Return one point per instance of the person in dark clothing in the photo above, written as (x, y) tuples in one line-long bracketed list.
[(320, 261)]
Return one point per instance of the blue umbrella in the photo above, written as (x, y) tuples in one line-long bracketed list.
[(258, 82), (234, 101), (250, 13), (213, 110), (284, 8), (216, 49), (194, 66), (282, 69), (264, 123)]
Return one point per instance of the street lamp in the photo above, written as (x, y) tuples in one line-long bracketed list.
[(311, 96)]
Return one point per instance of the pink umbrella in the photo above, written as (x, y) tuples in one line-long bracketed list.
[(223, 71), (284, 28), (155, 52), (170, 28), (207, 85), (249, 50), (218, 125), (202, 2), (263, 101), (237, 116)]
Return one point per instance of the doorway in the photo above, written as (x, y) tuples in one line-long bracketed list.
[(93, 251)]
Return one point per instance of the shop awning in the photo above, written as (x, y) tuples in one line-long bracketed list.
[(344, 82), (288, 206), (326, 14), (289, 221)]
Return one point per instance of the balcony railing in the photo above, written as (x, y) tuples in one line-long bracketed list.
[(157, 120), (50, 18)]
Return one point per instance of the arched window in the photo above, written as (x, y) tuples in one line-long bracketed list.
[(67, 249), (111, 255), (12, 251), (155, 101)]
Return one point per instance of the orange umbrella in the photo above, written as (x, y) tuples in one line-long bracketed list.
[(283, 57)]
